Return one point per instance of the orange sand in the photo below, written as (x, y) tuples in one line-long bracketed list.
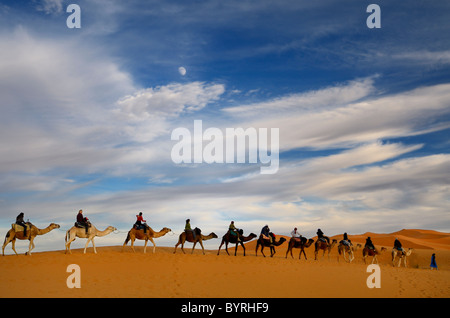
[(113, 273)]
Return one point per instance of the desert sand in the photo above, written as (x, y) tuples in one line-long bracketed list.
[(116, 273)]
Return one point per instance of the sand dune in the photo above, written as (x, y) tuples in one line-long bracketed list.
[(116, 273)]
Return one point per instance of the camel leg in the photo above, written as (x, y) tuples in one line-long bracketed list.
[(272, 251), (201, 244), (226, 248), (3, 248), (132, 244), (145, 245), (68, 245), (176, 245), (13, 245), (93, 244), (262, 250), (193, 247), (243, 247), (221, 243), (65, 239), (85, 247), (7, 240), (30, 246), (154, 245)]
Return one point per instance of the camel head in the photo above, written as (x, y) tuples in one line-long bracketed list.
[(282, 240), (54, 226), (253, 235), (309, 243), (111, 228), (213, 235), (334, 241), (166, 230)]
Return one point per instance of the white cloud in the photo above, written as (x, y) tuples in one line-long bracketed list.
[(69, 110), (169, 101), (56, 99), (425, 57), (314, 101), (347, 116)]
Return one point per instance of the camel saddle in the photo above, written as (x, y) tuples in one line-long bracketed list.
[(19, 228), (299, 240), (82, 226), (140, 227), (190, 234)]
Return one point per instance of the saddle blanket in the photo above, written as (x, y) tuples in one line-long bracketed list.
[(139, 227), (19, 228)]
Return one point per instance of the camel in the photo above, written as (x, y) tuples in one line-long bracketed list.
[(300, 243), (229, 238), (349, 249), (401, 255), (75, 232), (321, 245), (140, 235), (266, 243), (199, 238), (12, 235), (370, 252)]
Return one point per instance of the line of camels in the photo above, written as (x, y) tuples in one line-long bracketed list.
[(347, 251)]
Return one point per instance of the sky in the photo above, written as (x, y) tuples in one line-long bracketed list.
[(87, 115)]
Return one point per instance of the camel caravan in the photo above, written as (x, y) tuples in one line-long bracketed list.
[(83, 228)]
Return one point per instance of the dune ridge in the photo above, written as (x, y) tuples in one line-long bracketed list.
[(410, 238)]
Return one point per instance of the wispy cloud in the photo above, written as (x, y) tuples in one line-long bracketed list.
[(49, 6)]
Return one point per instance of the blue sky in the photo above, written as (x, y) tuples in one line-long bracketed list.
[(86, 115)]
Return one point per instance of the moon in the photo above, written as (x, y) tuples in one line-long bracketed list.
[(182, 70)]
